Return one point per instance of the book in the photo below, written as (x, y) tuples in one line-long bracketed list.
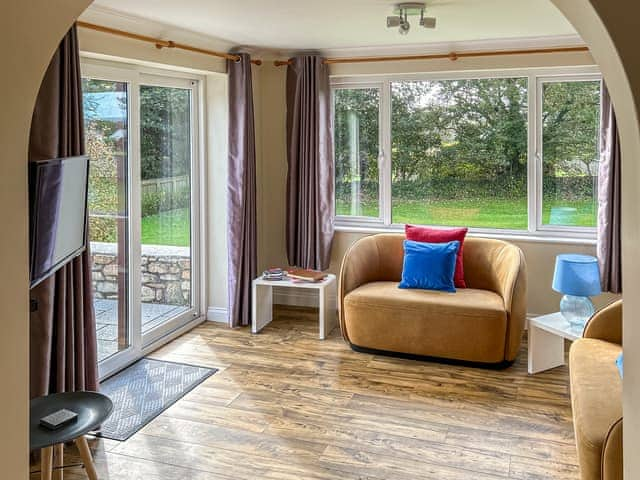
[(274, 274), (306, 275)]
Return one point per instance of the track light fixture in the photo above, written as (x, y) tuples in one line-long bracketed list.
[(403, 10)]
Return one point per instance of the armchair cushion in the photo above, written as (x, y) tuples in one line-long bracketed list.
[(469, 325), (620, 364), (429, 266), (441, 235)]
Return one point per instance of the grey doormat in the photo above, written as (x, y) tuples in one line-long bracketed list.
[(144, 390)]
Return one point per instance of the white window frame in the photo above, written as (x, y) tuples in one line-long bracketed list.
[(134, 76), (536, 77)]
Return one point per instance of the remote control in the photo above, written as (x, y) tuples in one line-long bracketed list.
[(58, 419)]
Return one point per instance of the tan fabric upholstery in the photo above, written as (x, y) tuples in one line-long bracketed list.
[(596, 397), (482, 323), (612, 462), (606, 324)]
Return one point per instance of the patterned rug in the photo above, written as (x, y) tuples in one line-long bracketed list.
[(144, 390)]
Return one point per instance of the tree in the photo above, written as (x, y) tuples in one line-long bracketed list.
[(362, 107), (571, 119), (165, 123), (165, 132), (457, 138)]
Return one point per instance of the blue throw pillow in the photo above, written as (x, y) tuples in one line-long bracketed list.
[(429, 266), (619, 364)]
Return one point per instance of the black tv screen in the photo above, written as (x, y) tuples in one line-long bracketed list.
[(58, 213)]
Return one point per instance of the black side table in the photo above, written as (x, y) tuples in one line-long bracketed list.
[(92, 409)]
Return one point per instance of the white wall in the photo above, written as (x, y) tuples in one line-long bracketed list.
[(216, 221)]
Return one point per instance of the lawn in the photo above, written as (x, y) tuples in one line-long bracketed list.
[(173, 227), (167, 228), (486, 213)]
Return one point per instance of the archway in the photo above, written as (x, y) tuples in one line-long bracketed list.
[(610, 32), (30, 34)]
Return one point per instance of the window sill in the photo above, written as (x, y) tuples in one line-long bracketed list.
[(526, 237)]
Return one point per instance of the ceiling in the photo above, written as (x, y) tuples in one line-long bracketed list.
[(335, 24)]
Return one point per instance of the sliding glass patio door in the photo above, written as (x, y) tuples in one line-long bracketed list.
[(167, 151), (107, 119), (141, 137)]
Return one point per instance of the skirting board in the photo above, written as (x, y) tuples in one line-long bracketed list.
[(218, 314)]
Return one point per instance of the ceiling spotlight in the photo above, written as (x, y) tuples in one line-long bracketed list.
[(428, 22), (403, 10), (393, 21), (404, 27)]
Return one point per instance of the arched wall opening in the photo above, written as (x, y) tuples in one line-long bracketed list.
[(30, 32)]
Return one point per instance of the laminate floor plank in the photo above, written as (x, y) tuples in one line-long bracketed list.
[(285, 405)]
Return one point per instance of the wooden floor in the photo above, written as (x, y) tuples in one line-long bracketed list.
[(286, 405)]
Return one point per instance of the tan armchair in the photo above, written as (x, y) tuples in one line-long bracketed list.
[(596, 395), (482, 323)]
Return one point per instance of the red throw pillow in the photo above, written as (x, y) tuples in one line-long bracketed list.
[(441, 235)]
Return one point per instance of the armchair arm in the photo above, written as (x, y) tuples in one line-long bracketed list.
[(612, 453), (512, 286), (359, 266), (370, 259), (606, 324)]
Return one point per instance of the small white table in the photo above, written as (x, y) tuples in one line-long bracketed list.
[(546, 341), (262, 301)]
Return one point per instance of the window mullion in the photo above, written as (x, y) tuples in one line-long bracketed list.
[(533, 163)]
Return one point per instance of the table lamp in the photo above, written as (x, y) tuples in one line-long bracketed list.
[(578, 278)]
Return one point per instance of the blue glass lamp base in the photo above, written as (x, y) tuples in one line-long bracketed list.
[(576, 310)]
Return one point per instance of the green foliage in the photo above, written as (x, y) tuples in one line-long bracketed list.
[(163, 201), (459, 129), (466, 140), (103, 192), (571, 120), (165, 140)]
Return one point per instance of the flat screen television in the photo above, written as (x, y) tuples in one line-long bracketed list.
[(57, 213)]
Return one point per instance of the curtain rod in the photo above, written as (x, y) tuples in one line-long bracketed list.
[(161, 43), (453, 56)]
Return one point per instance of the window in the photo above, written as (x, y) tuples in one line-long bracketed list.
[(459, 152), (570, 122), (505, 152), (357, 147)]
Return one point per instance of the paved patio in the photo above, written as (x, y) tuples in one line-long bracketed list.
[(153, 314)]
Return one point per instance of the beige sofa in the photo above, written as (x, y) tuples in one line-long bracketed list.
[(596, 395), (482, 323)]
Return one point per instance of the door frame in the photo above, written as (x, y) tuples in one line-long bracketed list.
[(134, 76)]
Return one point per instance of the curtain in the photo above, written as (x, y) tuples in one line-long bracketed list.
[(241, 194), (310, 201), (609, 199), (63, 349)]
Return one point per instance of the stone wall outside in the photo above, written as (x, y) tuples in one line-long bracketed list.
[(166, 273)]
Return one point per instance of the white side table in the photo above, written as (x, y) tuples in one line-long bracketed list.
[(546, 341), (262, 301)]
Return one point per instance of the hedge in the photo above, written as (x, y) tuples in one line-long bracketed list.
[(570, 188)]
